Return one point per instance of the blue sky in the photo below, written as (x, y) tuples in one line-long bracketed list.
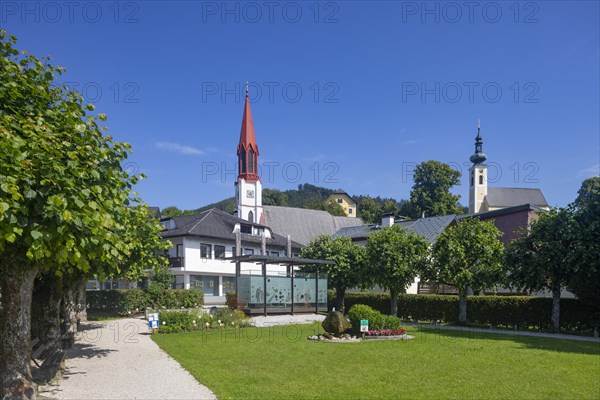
[(346, 94)]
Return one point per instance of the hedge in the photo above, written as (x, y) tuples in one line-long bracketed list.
[(523, 311), (132, 301)]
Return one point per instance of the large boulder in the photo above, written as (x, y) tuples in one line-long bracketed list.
[(335, 323)]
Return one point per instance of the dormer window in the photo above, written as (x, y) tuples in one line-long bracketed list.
[(246, 229)]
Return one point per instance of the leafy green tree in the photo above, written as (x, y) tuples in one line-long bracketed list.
[(585, 283), (369, 210), (334, 208), (430, 194), (542, 258), (171, 211), (65, 202), (467, 255), (273, 197), (396, 257), (349, 268)]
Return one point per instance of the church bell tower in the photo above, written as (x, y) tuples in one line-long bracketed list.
[(478, 175), (248, 188)]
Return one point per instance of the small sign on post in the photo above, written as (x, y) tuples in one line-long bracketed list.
[(364, 325), (153, 321)]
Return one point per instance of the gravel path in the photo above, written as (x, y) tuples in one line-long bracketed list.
[(119, 360), (286, 319)]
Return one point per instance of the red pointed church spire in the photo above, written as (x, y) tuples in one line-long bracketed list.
[(247, 150)]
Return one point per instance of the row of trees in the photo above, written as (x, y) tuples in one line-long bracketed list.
[(559, 250), (67, 211)]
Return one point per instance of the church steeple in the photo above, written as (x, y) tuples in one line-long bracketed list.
[(478, 176), (247, 150), (479, 156), (248, 188)]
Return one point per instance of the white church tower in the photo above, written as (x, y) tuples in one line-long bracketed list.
[(248, 188), (478, 176)]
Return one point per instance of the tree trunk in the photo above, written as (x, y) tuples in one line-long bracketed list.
[(73, 305), (462, 306), (393, 303), (556, 309), (16, 283), (81, 302), (45, 312), (340, 299)]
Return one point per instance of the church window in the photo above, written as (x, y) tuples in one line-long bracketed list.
[(251, 216), (481, 179), (243, 159), (251, 162), (340, 200)]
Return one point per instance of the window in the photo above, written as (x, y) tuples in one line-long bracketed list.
[(246, 229), (481, 179), (243, 160), (205, 250), (250, 216), (248, 252), (349, 211), (251, 162), (274, 254), (179, 250), (219, 252), (340, 200), (228, 284), (233, 253)]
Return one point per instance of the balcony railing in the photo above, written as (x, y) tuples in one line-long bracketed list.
[(177, 262)]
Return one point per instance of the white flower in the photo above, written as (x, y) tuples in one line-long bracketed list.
[(210, 315), (219, 321), (164, 323), (232, 322), (194, 322), (207, 324)]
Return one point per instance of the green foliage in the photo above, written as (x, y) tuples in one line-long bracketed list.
[(377, 320), (523, 311), (396, 257), (231, 300), (67, 204), (371, 209), (334, 208), (585, 282), (430, 194), (542, 258), (193, 320), (273, 197), (132, 301), (349, 268), (467, 255), (173, 211)]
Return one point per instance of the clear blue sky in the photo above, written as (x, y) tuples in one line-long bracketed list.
[(352, 94)]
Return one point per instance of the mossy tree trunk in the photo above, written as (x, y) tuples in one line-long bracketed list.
[(16, 286), (45, 312)]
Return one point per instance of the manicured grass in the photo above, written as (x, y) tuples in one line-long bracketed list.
[(279, 362)]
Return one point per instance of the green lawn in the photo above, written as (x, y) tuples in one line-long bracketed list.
[(279, 362)]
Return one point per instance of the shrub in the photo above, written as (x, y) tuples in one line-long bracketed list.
[(192, 320), (231, 300), (132, 301), (523, 311), (377, 320)]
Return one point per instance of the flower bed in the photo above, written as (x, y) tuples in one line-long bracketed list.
[(386, 332)]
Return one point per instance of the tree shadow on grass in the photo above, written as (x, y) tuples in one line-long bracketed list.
[(527, 340)]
